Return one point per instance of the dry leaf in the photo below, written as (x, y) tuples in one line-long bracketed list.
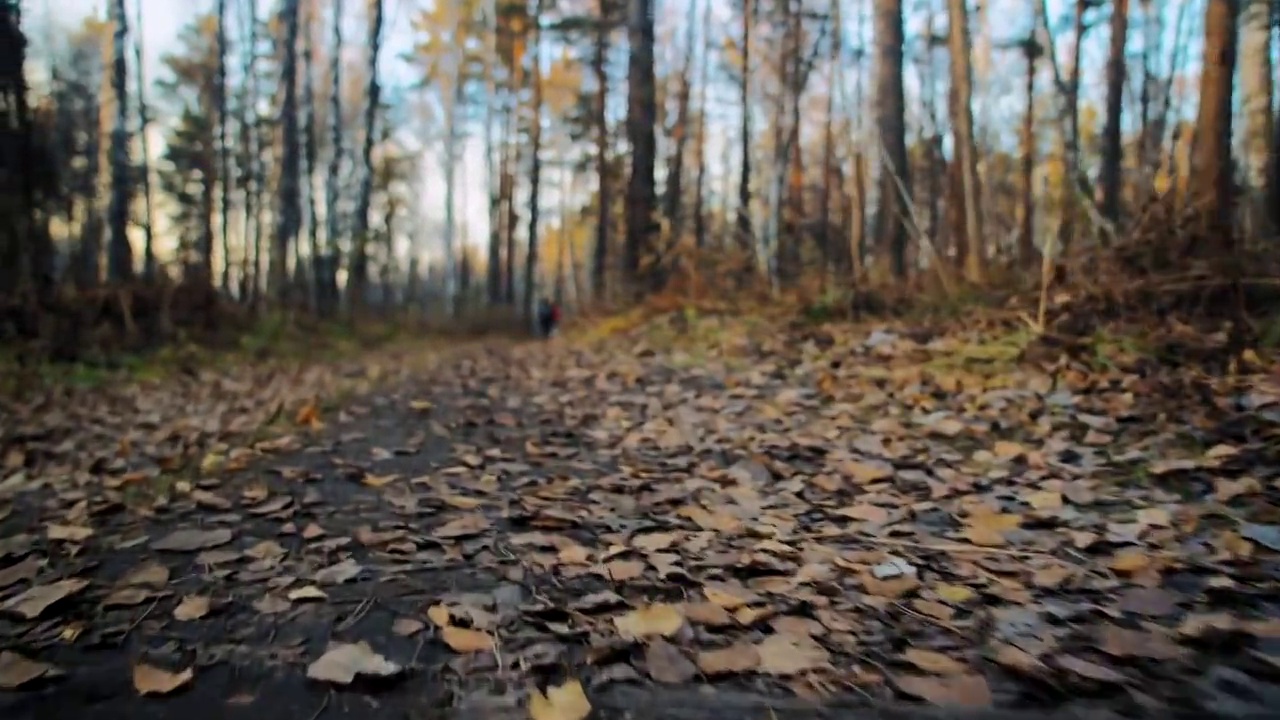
[(192, 607), (32, 603), (733, 659), (339, 573), (954, 594), (562, 702), (934, 662), (464, 526), (150, 680), (25, 570), (191, 540), (68, 533), (666, 664), (439, 614), (343, 662), (309, 592), (17, 670), (405, 627), (791, 655), (466, 640), (652, 620), (624, 570), (958, 690)]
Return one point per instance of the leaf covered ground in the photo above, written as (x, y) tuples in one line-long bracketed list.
[(702, 518)]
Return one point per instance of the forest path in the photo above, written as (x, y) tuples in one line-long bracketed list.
[(723, 520)]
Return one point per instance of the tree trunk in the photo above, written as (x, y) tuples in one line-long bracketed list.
[(333, 250), (224, 150), (680, 132), (288, 201), (535, 170), (358, 281), (310, 151), (119, 251), (493, 268), (966, 151), (1210, 179), (604, 194), (699, 212), (641, 118), (743, 230), (1112, 149), (1026, 238), (891, 230), (148, 226), (1256, 90)]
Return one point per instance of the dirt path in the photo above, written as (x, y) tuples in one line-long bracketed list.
[(805, 521)]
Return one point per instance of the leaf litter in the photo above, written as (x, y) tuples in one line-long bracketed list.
[(799, 513)]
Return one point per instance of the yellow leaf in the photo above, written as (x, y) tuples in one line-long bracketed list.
[(439, 614), (148, 680), (660, 619), (465, 640), (1130, 560), (562, 702), (954, 594)]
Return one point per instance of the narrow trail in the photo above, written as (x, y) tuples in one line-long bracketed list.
[(802, 523)]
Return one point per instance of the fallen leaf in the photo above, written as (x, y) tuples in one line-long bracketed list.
[(562, 702), (934, 662), (729, 597), (791, 655), (151, 680), (343, 662), (126, 597), (466, 640), (308, 592), (464, 526), (31, 604), (191, 540), (405, 627), (954, 594), (733, 659), (958, 690), (624, 570), (339, 573), (1088, 670), (68, 533), (17, 670), (660, 619), (1015, 658), (191, 607), (666, 664), (271, 604), (439, 614), (25, 570), (153, 574)]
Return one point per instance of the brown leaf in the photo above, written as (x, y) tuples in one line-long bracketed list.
[(465, 526), (653, 542), (1017, 659), (192, 539), (1130, 560), (17, 670), (707, 613), (152, 573), (343, 662), (439, 614), (32, 603), (934, 662), (649, 621), (1124, 643), (666, 664), (562, 702), (150, 680), (25, 570), (192, 607), (624, 570), (405, 627), (339, 573), (126, 597), (308, 592), (1088, 670), (729, 597), (739, 658), (465, 640), (68, 533), (271, 604), (791, 655), (960, 690)]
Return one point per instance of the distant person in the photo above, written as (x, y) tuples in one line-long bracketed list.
[(548, 317)]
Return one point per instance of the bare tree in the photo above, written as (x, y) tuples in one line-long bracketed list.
[(1256, 97), (891, 230), (1211, 181), (119, 251), (535, 167), (1112, 149), (642, 106), (359, 277), (288, 202), (960, 46), (144, 120)]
